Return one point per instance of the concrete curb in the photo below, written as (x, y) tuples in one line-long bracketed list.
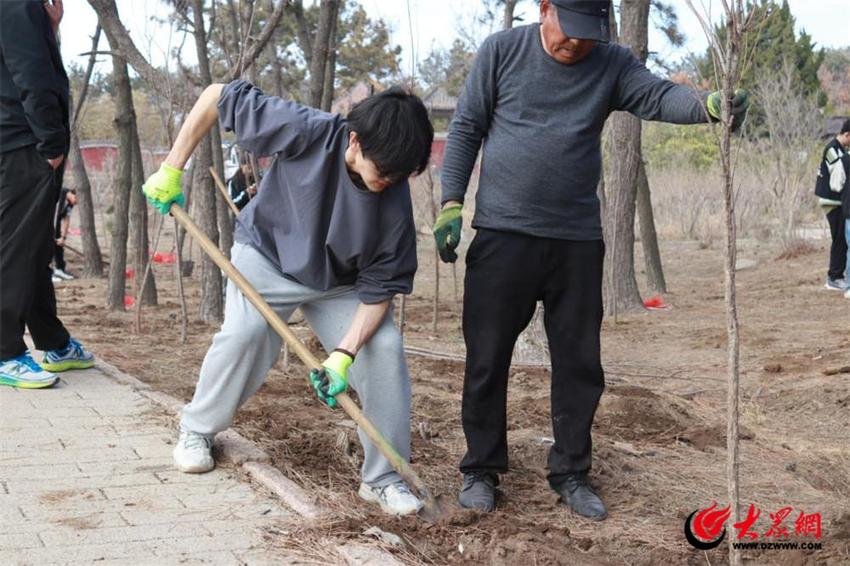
[(233, 448), (364, 555), (237, 450), (287, 490)]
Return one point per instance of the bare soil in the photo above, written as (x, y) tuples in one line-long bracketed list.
[(659, 433)]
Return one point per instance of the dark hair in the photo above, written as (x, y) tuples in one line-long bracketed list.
[(394, 132), (845, 127)]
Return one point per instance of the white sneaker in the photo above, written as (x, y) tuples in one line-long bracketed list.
[(836, 284), (62, 275), (193, 453), (57, 279), (24, 373), (847, 294), (394, 499)]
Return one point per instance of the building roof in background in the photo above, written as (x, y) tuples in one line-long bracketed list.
[(438, 99)]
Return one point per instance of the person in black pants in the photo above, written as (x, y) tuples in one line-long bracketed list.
[(537, 98), (241, 185), (62, 222), (828, 189), (33, 145)]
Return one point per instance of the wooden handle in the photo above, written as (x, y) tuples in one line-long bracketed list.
[(223, 190), (306, 356)]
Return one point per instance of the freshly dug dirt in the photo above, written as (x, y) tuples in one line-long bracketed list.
[(659, 437)]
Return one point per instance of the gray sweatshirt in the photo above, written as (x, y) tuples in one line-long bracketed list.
[(541, 123), (308, 217)]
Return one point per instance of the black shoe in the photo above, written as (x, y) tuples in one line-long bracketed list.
[(479, 491), (576, 492)]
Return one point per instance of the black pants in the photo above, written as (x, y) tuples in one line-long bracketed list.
[(838, 250), (59, 257), (29, 189), (506, 274)]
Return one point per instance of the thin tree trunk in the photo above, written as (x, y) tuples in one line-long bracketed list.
[(433, 209), (508, 14), (93, 260), (277, 72), (648, 237), (225, 224), (621, 290), (330, 67), (729, 81), (729, 55), (139, 228), (274, 60), (225, 221), (305, 38), (327, 11), (206, 209), (124, 120), (188, 183), (178, 275)]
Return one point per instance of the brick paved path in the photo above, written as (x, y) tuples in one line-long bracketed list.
[(86, 476)]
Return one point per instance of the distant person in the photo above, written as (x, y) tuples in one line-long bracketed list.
[(67, 201), (828, 189), (33, 144), (845, 207), (242, 185), (331, 233), (536, 100)]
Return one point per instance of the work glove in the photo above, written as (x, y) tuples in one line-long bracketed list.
[(163, 188), (740, 104), (332, 378), (447, 231)]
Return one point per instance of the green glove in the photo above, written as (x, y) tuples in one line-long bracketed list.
[(163, 187), (332, 378), (447, 232), (740, 104)]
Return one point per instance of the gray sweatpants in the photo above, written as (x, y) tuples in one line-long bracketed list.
[(246, 347)]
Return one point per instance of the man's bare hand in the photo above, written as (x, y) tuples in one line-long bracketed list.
[(55, 11), (56, 162)]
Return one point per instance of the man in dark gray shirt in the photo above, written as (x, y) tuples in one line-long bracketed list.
[(537, 98), (330, 232)]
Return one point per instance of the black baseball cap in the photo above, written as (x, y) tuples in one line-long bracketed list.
[(584, 19)]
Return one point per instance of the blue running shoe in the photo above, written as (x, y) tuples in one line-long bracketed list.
[(73, 356), (24, 373)]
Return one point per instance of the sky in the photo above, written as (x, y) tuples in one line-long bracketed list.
[(420, 25)]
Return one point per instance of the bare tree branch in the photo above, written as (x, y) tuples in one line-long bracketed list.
[(262, 39), (87, 78), (120, 41)]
